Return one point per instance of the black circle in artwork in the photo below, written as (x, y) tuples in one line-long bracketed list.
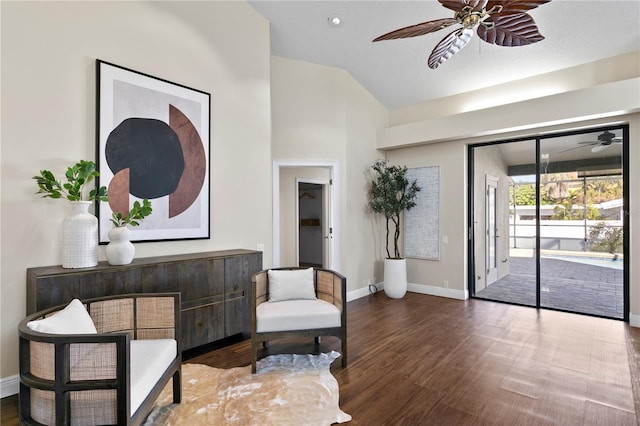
[(152, 152)]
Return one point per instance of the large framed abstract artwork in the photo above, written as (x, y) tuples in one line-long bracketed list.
[(153, 142)]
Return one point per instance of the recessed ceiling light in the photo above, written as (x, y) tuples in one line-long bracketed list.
[(335, 20)]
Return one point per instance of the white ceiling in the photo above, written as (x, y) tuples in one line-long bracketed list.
[(395, 71)]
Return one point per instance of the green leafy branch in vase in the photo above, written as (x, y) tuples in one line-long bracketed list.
[(78, 176), (135, 215)]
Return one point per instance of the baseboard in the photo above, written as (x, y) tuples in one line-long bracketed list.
[(362, 292), (415, 288), (634, 320), (438, 291), (9, 386)]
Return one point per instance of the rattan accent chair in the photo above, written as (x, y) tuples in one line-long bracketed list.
[(330, 286), (87, 378)]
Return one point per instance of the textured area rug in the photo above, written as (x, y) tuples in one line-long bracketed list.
[(287, 390)]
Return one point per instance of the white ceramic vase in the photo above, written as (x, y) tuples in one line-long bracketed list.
[(79, 237), (119, 251), (395, 278)]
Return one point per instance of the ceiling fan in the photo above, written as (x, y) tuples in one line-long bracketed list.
[(604, 141), (501, 22)]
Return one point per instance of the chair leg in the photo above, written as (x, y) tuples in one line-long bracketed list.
[(254, 356), (344, 351), (317, 340), (177, 386)]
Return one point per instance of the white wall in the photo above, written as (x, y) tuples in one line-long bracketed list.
[(322, 114), (618, 68), (48, 119)]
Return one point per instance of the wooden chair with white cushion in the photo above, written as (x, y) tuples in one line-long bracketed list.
[(99, 361), (297, 302)]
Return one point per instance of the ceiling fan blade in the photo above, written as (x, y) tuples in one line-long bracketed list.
[(515, 6), (511, 30), (599, 148), (589, 143), (570, 149), (417, 30), (457, 5), (449, 46)]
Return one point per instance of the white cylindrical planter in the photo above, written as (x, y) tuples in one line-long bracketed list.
[(79, 237), (395, 278), (119, 251)]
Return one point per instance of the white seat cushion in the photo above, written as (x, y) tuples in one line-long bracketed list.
[(296, 315), (149, 360)]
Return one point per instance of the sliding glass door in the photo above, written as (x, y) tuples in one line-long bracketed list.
[(548, 222)]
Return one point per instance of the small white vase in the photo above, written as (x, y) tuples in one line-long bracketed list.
[(119, 251), (79, 237), (395, 278)]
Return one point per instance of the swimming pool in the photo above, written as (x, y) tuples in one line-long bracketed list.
[(606, 262)]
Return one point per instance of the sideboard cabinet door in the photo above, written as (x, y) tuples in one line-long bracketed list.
[(237, 293)]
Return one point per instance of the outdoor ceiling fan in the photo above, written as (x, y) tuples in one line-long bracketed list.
[(501, 22), (604, 141)]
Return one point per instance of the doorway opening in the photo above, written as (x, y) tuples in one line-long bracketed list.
[(287, 174), (549, 221), (313, 219)]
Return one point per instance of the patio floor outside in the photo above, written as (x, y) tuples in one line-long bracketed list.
[(565, 285)]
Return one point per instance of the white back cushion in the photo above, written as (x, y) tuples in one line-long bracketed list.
[(73, 319), (291, 285)]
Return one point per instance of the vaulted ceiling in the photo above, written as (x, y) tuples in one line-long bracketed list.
[(576, 32)]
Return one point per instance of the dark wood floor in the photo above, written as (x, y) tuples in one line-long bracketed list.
[(429, 360)]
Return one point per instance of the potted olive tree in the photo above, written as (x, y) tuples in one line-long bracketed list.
[(391, 194), (79, 228)]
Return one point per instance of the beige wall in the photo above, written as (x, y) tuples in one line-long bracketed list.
[(48, 108), (452, 265), (322, 114)]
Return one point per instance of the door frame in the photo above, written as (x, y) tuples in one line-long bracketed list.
[(333, 200), (472, 264)]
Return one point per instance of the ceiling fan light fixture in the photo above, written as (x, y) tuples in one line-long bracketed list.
[(335, 20), (506, 23)]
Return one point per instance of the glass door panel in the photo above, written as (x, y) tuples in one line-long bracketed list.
[(580, 197), (504, 222)]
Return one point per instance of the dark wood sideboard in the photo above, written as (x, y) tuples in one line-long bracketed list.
[(215, 288)]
